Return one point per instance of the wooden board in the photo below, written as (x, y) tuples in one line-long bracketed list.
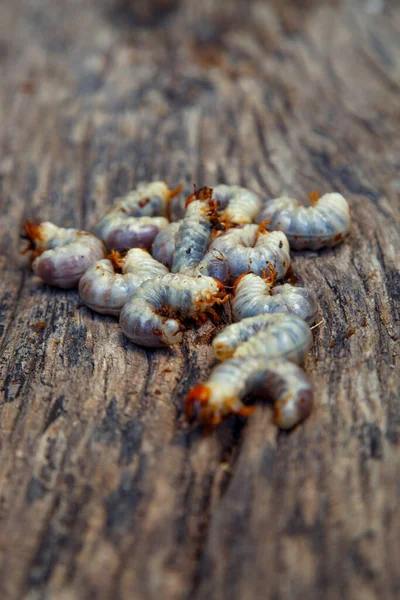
[(105, 493)]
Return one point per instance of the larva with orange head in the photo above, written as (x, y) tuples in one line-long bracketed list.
[(282, 382), (107, 285), (253, 249), (194, 234), (153, 315), (323, 224), (236, 205), (61, 256), (135, 219), (256, 296)]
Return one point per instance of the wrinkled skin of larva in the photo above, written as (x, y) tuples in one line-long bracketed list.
[(121, 232), (324, 224), (236, 205), (153, 314), (230, 382), (105, 290), (63, 255), (253, 249), (256, 296), (275, 336), (194, 235)]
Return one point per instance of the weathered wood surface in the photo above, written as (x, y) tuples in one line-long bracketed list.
[(104, 492)]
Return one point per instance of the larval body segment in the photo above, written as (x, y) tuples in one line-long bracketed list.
[(230, 382), (253, 249), (194, 235), (164, 244), (120, 231), (256, 296), (105, 290), (147, 200), (63, 255), (153, 314), (275, 336), (135, 219), (236, 205), (324, 224)]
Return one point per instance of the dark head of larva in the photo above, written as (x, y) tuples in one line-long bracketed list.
[(197, 407), (117, 260), (31, 231), (195, 402), (238, 280), (33, 234), (204, 193), (314, 196)]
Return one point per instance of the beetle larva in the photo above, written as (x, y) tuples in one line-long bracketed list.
[(283, 382), (165, 243), (147, 200), (194, 234), (325, 223), (121, 232), (213, 264), (256, 296), (253, 249), (236, 205), (153, 314), (106, 286), (62, 255), (279, 335), (135, 219)]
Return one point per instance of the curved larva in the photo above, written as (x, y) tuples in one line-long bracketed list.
[(62, 255), (256, 296), (164, 244), (283, 382), (214, 264), (152, 315), (325, 223), (148, 200), (274, 336), (194, 235), (239, 205), (252, 249), (105, 290), (121, 232)]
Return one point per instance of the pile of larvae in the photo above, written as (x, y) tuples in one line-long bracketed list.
[(157, 276)]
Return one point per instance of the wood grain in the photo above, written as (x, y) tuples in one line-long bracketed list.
[(105, 493)]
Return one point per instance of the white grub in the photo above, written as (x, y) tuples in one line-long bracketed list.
[(135, 219), (147, 200), (256, 296), (121, 232), (106, 286), (236, 205), (324, 224), (230, 382), (253, 249), (164, 244), (153, 314), (194, 233), (214, 263), (62, 255), (275, 336)]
